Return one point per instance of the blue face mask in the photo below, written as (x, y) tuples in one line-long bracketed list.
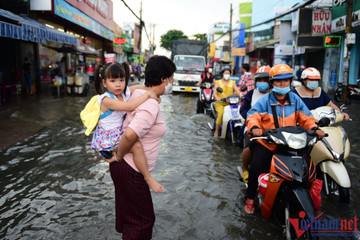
[(262, 86), (281, 91), (312, 85)]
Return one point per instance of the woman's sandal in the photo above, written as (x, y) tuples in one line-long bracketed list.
[(245, 176), (249, 207)]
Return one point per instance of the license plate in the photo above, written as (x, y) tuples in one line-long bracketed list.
[(188, 89)]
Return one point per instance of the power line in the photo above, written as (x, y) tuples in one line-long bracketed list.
[(268, 21), (141, 21), (131, 10)]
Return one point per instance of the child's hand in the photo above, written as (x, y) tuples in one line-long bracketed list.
[(112, 159), (154, 96)]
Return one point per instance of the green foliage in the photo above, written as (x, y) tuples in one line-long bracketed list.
[(200, 36), (167, 39)]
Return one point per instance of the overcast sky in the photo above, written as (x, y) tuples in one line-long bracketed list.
[(189, 16)]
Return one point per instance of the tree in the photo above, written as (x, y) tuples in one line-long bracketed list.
[(200, 36), (167, 39)]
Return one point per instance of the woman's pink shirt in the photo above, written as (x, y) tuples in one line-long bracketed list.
[(147, 122)]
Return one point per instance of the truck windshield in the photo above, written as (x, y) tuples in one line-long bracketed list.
[(189, 63)]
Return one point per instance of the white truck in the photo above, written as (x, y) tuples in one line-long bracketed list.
[(189, 57)]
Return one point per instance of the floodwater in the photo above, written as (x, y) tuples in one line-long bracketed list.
[(54, 186)]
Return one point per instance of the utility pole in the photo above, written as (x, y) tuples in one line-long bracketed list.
[(141, 26), (230, 38), (153, 41), (346, 63)]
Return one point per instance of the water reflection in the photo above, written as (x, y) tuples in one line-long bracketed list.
[(54, 186)]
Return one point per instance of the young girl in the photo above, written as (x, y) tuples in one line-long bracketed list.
[(111, 83)]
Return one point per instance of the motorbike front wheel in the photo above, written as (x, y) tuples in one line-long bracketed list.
[(337, 94), (237, 136), (290, 232), (293, 205), (334, 188), (199, 108)]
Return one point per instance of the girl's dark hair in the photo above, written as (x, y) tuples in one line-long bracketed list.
[(157, 69), (111, 70)]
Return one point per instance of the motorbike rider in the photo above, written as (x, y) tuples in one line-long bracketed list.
[(206, 76), (229, 87), (246, 79), (261, 88), (312, 94), (289, 110)]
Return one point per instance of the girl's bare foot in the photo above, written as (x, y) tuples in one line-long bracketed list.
[(154, 185)]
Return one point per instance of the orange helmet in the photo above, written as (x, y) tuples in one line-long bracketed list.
[(310, 73), (262, 72), (281, 71)]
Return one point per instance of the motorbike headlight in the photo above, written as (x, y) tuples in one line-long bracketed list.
[(208, 85), (233, 100), (295, 140), (276, 140)]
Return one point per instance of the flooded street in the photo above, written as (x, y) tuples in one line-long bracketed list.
[(54, 186)]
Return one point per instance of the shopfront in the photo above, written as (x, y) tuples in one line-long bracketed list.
[(338, 25), (91, 22), (20, 38)]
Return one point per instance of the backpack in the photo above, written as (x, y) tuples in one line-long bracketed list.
[(90, 114)]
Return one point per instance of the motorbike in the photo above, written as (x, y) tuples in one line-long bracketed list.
[(292, 172), (205, 98), (132, 76), (353, 91), (232, 122), (330, 154)]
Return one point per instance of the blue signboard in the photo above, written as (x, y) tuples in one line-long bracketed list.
[(333, 78), (65, 10)]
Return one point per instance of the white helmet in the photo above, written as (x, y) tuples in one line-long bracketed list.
[(310, 73)]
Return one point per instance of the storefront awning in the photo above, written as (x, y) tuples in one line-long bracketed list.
[(80, 48), (27, 29)]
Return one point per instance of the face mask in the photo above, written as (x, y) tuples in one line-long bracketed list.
[(281, 91), (168, 89), (226, 76), (312, 85), (210, 70), (262, 86)]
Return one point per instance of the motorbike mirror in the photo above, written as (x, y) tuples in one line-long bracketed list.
[(244, 89), (324, 122), (343, 107), (219, 89)]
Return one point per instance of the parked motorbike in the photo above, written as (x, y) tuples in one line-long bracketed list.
[(132, 77), (353, 91), (232, 122), (330, 154), (205, 98), (291, 175)]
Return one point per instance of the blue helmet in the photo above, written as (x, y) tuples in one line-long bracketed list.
[(224, 68)]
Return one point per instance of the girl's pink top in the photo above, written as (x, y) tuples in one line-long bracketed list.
[(147, 122)]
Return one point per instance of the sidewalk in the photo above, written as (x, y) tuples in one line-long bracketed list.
[(20, 118), (26, 115)]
